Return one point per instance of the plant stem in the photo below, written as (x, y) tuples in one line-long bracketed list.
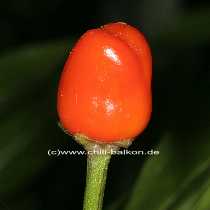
[(98, 159), (97, 166)]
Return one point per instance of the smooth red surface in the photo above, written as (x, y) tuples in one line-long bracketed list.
[(104, 90)]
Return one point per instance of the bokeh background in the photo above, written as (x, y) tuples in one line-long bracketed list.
[(35, 39)]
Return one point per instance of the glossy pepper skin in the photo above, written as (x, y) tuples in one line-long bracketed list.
[(105, 87)]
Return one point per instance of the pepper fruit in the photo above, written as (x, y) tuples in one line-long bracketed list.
[(105, 88)]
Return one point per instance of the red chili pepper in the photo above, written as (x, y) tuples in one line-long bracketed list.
[(105, 88)]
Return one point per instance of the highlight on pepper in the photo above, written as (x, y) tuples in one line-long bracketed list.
[(105, 88)]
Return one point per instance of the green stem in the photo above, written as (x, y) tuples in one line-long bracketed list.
[(99, 155), (97, 166)]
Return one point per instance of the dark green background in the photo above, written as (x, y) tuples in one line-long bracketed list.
[(35, 39)]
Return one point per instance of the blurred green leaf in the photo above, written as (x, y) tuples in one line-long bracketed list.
[(24, 70), (178, 173), (26, 113), (203, 202), (194, 199)]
